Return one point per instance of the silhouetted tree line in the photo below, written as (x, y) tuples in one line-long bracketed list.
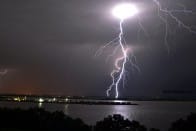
[(118, 123), (188, 124), (36, 119)]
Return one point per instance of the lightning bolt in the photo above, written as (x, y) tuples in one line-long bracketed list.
[(120, 70), (171, 14), (118, 74)]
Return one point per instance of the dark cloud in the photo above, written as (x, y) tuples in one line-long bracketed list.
[(52, 44)]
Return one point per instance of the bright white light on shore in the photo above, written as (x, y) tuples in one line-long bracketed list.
[(124, 11), (41, 100)]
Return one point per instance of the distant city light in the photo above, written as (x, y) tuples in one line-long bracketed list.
[(54, 99), (41, 100), (66, 99), (17, 99)]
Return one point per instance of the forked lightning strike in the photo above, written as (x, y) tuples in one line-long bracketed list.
[(124, 11), (119, 69), (170, 13)]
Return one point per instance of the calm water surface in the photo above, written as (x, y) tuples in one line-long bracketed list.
[(150, 113)]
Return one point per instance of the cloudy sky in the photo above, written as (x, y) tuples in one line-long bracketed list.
[(48, 47)]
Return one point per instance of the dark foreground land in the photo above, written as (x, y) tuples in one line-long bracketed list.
[(38, 119)]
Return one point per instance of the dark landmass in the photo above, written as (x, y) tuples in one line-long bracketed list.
[(64, 100), (84, 99), (35, 119)]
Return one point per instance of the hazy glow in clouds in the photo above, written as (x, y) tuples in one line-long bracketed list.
[(124, 11)]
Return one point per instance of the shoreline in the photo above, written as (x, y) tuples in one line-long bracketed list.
[(97, 102)]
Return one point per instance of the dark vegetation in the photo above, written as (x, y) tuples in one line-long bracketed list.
[(38, 119), (189, 124), (118, 123)]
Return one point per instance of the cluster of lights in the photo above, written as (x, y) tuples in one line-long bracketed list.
[(41, 100), (19, 99)]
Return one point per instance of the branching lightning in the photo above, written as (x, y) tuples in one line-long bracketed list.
[(119, 72), (170, 13), (118, 69)]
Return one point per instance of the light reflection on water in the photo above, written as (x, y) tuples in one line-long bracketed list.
[(123, 110), (151, 114), (66, 109), (40, 105)]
